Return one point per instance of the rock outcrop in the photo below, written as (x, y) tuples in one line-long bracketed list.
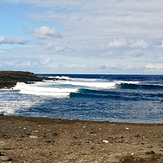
[(9, 79)]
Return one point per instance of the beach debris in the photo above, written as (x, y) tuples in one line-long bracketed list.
[(105, 141), (33, 137)]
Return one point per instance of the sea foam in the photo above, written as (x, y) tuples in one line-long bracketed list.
[(59, 88), (41, 89)]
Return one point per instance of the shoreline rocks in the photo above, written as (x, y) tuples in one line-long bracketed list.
[(8, 79)]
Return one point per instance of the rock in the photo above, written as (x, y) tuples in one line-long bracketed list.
[(150, 153), (105, 141), (33, 137), (8, 79), (4, 158), (149, 146), (127, 159), (55, 134)]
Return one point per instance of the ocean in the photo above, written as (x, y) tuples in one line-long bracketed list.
[(114, 98)]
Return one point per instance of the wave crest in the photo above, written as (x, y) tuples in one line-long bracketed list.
[(138, 86)]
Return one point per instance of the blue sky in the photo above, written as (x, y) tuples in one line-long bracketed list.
[(82, 36)]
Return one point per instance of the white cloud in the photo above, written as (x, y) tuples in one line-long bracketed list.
[(59, 49), (47, 61), (2, 39), (116, 43), (109, 67), (25, 64), (16, 40), (55, 47), (154, 67), (45, 32), (139, 44)]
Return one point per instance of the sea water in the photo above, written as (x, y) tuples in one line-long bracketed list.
[(118, 98)]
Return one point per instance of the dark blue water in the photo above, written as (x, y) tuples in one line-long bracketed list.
[(118, 98)]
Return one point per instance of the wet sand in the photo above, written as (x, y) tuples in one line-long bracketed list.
[(44, 140)]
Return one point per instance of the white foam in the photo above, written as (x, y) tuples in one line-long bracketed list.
[(74, 79), (127, 82), (95, 83), (10, 107), (90, 84), (86, 80), (41, 89), (63, 78)]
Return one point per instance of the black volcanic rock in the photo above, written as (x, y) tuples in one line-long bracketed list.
[(9, 79)]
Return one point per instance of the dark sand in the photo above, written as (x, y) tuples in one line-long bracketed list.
[(42, 140)]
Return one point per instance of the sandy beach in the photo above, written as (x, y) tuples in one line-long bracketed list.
[(43, 140)]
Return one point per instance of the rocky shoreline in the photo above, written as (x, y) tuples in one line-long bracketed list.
[(8, 79), (44, 140)]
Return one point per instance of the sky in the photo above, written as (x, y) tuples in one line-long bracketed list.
[(82, 36)]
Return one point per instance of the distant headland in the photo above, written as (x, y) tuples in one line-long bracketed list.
[(8, 79)]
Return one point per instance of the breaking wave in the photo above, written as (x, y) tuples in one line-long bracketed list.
[(41, 89), (64, 87)]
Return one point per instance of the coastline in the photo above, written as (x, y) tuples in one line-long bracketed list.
[(54, 140), (9, 79), (44, 140)]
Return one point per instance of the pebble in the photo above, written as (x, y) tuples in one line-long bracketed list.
[(150, 152), (149, 146), (105, 141), (55, 134), (33, 137), (4, 158)]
